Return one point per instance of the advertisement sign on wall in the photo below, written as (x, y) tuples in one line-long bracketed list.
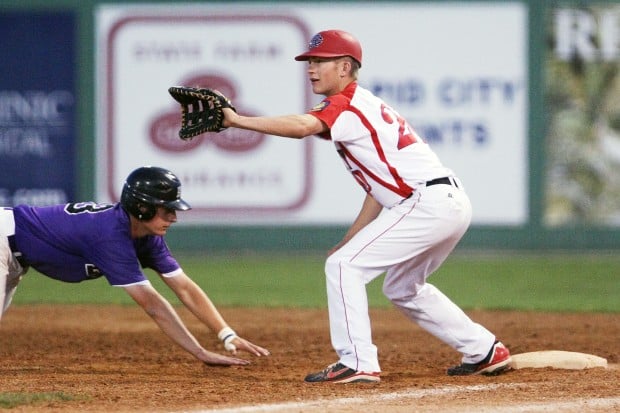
[(583, 103), (456, 72), (37, 108)]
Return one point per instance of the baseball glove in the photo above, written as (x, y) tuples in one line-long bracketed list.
[(201, 110)]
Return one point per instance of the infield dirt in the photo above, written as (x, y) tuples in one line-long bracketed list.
[(115, 359)]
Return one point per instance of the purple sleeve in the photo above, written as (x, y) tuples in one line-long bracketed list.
[(153, 252)]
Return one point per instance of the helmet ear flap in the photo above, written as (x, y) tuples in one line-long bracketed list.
[(144, 212), (136, 207)]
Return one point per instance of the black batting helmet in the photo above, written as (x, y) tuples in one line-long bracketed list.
[(148, 187)]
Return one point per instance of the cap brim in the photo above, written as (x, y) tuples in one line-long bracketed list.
[(178, 205), (308, 55)]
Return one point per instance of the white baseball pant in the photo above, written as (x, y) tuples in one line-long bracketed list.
[(408, 242), (11, 271)]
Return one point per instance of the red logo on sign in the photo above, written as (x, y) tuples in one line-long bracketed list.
[(164, 130)]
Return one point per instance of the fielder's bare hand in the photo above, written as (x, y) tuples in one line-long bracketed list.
[(214, 359), (229, 116), (240, 343)]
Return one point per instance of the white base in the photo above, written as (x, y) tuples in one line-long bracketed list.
[(557, 359)]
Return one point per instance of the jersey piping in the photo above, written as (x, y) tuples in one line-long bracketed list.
[(402, 188)]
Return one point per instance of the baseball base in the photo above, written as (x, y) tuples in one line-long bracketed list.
[(557, 359)]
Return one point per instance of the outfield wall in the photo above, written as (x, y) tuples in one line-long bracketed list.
[(520, 98)]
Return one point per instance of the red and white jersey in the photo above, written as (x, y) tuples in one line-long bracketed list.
[(382, 151)]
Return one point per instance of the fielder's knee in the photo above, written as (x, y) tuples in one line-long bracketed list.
[(400, 296), (332, 264)]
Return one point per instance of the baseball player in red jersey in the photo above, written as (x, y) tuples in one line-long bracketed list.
[(415, 212)]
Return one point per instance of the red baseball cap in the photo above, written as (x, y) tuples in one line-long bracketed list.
[(333, 43)]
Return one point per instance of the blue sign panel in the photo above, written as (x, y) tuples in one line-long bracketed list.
[(37, 108)]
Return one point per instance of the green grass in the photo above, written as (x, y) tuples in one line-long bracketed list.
[(580, 282), (550, 282), (9, 400)]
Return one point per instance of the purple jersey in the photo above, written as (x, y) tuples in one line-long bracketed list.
[(82, 241)]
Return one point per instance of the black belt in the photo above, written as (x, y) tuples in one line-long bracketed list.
[(444, 180), (18, 255)]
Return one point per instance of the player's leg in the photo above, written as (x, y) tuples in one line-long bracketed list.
[(383, 243), (11, 273), (15, 275), (446, 212), (5, 262), (348, 311)]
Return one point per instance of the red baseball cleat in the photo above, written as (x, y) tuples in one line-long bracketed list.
[(496, 362)]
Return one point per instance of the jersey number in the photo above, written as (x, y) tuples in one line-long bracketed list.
[(406, 136), (358, 175)]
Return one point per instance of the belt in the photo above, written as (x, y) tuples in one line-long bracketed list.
[(444, 180)]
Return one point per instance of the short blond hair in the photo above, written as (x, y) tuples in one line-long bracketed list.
[(355, 66)]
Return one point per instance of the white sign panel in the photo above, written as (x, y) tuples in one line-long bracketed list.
[(457, 72)]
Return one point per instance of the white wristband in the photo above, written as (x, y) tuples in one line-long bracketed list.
[(227, 335)]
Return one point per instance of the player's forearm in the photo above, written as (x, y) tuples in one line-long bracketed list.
[(165, 317), (369, 211), (173, 327), (169, 322), (196, 301), (203, 308), (291, 126)]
